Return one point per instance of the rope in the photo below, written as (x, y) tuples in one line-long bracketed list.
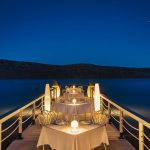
[(130, 133), (10, 125), (10, 134), (146, 137), (38, 105), (39, 108), (115, 119), (104, 104), (130, 125), (27, 119), (30, 124), (105, 109), (27, 113), (114, 112), (146, 146)]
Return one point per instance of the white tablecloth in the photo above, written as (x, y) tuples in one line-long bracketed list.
[(73, 95), (62, 138), (69, 108)]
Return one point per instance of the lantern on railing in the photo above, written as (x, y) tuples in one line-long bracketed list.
[(57, 88), (97, 97), (47, 99), (90, 90)]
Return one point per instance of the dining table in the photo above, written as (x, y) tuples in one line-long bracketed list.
[(73, 95), (72, 109), (86, 137)]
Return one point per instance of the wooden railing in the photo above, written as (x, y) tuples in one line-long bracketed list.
[(36, 104), (106, 106)]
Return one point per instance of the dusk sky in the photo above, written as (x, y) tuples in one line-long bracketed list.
[(103, 32)]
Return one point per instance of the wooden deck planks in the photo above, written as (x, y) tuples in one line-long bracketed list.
[(31, 135)]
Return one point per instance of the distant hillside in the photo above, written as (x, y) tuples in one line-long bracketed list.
[(22, 70)]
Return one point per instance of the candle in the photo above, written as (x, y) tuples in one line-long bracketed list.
[(74, 125), (74, 101)]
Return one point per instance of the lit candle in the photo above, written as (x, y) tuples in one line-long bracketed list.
[(74, 125), (73, 86), (74, 101), (73, 91)]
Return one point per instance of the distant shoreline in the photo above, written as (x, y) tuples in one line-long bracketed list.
[(29, 70)]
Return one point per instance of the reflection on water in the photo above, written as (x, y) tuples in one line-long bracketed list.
[(143, 111), (131, 93), (4, 109)]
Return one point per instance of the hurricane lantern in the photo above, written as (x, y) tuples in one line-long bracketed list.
[(97, 97), (47, 98)]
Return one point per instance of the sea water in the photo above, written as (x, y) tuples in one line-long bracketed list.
[(133, 94)]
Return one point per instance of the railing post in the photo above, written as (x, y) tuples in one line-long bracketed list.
[(42, 105), (20, 126), (0, 136), (141, 136), (33, 114), (91, 92), (121, 125), (56, 93), (102, 105), (109, 113)]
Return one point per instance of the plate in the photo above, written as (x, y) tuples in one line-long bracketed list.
[(85, 122), (60, 123)]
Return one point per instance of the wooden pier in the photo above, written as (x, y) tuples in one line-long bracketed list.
[(31, 134)]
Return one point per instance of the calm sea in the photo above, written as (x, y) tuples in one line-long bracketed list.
[(131, 93)]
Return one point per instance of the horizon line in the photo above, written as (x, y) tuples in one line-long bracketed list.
[(70, 64)]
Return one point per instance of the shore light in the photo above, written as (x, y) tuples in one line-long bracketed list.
[(74, 125), (47, 98), (97, 97)]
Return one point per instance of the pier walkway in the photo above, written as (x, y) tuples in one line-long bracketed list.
[(125, 120)]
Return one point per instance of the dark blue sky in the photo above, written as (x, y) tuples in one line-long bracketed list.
[(104, 32)]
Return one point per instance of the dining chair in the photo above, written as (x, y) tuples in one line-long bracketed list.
[(99, 118), (46, 118)]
